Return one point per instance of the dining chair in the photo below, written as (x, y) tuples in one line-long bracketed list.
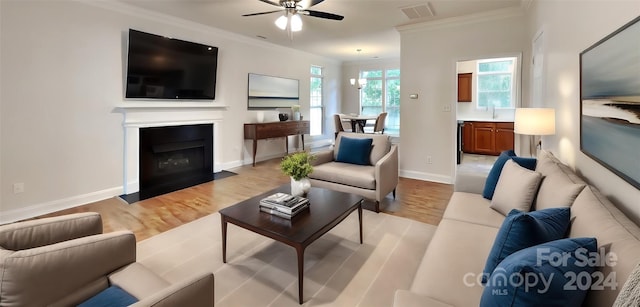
[(378, 126), (337, 121)]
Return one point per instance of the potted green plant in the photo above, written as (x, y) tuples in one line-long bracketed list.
[(298, 167)]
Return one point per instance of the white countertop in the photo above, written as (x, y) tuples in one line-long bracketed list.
[(499, 119)]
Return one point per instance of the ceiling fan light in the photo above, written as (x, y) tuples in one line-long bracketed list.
[(281, 22), (296, 23)]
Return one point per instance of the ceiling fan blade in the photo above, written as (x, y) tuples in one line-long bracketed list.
[(261, 13), (323, 15), (270, 2)]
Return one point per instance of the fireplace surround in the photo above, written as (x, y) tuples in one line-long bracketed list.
[(143, 115)]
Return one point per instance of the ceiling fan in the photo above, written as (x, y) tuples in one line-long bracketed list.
[(292, 11)]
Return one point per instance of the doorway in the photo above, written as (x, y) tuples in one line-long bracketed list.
[(488, 89)]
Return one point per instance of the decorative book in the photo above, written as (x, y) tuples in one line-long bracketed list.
[(283, 204)]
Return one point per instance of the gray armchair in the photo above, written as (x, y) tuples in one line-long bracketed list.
[(63, 261), (374, 181)]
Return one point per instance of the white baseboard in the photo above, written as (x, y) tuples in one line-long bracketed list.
[(426, 176), (57, 205)]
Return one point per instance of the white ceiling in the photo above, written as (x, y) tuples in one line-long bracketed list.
[(367, 24)]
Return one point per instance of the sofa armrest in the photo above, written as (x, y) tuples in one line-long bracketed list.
[(51, 230), (194, 292), (470, 182), (405, 298), (42, 275), (322, 157), (386, 172)]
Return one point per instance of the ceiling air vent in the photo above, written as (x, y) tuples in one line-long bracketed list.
[(418, 11)]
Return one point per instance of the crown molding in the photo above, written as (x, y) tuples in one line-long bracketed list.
[(462, 20), (138, 12)]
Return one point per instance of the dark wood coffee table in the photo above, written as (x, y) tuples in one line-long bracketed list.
[(328, 208)]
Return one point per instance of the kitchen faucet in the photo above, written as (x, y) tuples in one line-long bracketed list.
[(493, 110)]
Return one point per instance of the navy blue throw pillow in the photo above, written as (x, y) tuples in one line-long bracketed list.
[(520, 230), (549, 274), (113, 296), (494, 174), (355, 151)]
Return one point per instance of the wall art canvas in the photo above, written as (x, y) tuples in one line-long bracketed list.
[(272, 92), (610, 102)]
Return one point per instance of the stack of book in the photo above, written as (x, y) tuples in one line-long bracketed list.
[(283, 205)]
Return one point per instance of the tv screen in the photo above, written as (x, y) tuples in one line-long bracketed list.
[(166, 68)]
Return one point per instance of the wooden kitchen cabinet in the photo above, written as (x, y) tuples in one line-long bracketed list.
[(467, 137), (484, 138), (504, 137), (487, 138), (464, 87)]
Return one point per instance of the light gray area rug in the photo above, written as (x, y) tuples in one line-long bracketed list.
[(261, 272)]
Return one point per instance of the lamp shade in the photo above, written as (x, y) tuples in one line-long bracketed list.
[(296, 23), (535, 121), (281, 22)]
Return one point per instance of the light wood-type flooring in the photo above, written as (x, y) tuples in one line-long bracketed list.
[(415, 199)]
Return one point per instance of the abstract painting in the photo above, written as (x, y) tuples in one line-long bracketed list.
[(610, 102)]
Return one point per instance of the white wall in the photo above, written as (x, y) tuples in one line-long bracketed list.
[(429, 53), (62, 76), (569, 28)]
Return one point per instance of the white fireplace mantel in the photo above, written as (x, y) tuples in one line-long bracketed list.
[(142, 115)]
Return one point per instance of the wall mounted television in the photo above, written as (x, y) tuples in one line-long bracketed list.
[(159, 67), (268, 92)]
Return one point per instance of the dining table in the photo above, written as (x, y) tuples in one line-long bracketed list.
[(358, 121)]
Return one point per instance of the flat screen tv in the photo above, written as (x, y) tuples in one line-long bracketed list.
[(159, 67)]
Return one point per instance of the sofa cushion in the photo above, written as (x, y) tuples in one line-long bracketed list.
[(494, 173), (354, 151), (137, 280), (113, 296), (496, 169), (536, 277), (560, 185), (595, 216), (381, 144), (516, 189), (547, 162), (450, 268), (472, 208), (525, 229), (362, 176)]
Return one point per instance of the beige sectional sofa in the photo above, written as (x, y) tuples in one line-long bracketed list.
[(459, 249)]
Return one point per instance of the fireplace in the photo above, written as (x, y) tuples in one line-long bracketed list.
[(174, 157), (141, 117)]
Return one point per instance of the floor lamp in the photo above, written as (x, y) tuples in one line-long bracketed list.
[(535, 122)]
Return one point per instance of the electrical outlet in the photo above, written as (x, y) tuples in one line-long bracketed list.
[(18, 188), (429, 161), (446, 108)]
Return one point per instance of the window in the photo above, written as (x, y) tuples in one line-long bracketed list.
[(382, 94), (496, 80), (316, 107)]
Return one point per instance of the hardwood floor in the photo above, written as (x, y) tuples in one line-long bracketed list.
[(415, 199)]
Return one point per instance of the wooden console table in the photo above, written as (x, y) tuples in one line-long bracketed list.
[(260, 131)]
